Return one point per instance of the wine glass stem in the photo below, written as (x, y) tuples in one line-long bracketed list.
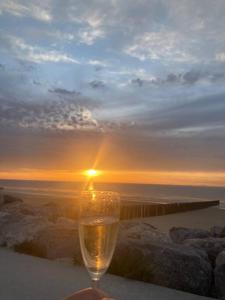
[(95, 283)]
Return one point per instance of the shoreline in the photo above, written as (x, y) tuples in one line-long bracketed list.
[(113, 183)]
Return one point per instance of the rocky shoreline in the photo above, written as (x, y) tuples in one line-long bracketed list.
[(191, 260)]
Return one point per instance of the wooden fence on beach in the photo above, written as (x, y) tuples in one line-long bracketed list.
[(131, 210), (139, 207)]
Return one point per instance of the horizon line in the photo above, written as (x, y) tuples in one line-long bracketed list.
[(115, 182)]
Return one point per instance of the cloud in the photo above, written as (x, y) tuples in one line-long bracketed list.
[(191, 77), (97, 84), (209, 75), (139, 82), (172, 77), (38, 54), (220, 56), (35, 54), (26, 9), (97, 63), (59, 35), (163, 45), (157, 33), (195, 116), (64, 92), (89, 35), (60, 115)]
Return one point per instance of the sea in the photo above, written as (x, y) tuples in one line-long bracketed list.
[(48, 191)]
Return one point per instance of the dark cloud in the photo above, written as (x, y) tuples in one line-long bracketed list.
[(218, 76), (209, 74), (147, 82), (137, 81), (192, 77), (98, 68), (64, 92), (97, 84), (172, 77), (202, 112), (51, 115), (36, 82)]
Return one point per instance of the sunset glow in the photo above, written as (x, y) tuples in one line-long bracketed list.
[(91, 173), (125, 176)]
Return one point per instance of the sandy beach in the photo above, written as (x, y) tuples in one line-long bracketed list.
[(201, 218)]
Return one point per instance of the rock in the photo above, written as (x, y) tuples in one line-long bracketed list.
[(141, 231), (217, 231), (219, 275), (179, 234), (1, 196), (52, 211), (39, 231), (56, 241), (171, 265), (11, 199), (4, 219), (213, 246), (67, 222), (223, 233), (15, 208), (17, 228), (220, 259)]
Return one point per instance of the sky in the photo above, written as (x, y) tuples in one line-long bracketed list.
[(134, 88)]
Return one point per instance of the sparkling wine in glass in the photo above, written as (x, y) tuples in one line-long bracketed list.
[(98, 228)]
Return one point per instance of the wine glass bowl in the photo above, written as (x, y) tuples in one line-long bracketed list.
[(98, 228)]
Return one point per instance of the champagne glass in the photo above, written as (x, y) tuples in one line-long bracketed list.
[(98, 228)]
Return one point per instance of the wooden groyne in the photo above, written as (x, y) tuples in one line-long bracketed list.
[(1, 195), (131, 210)]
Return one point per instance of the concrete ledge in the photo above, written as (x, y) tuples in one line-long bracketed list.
[(25, 277)]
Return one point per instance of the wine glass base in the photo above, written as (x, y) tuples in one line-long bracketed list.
[(88, 294)]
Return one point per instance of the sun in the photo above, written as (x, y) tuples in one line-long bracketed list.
[(91, 173)]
